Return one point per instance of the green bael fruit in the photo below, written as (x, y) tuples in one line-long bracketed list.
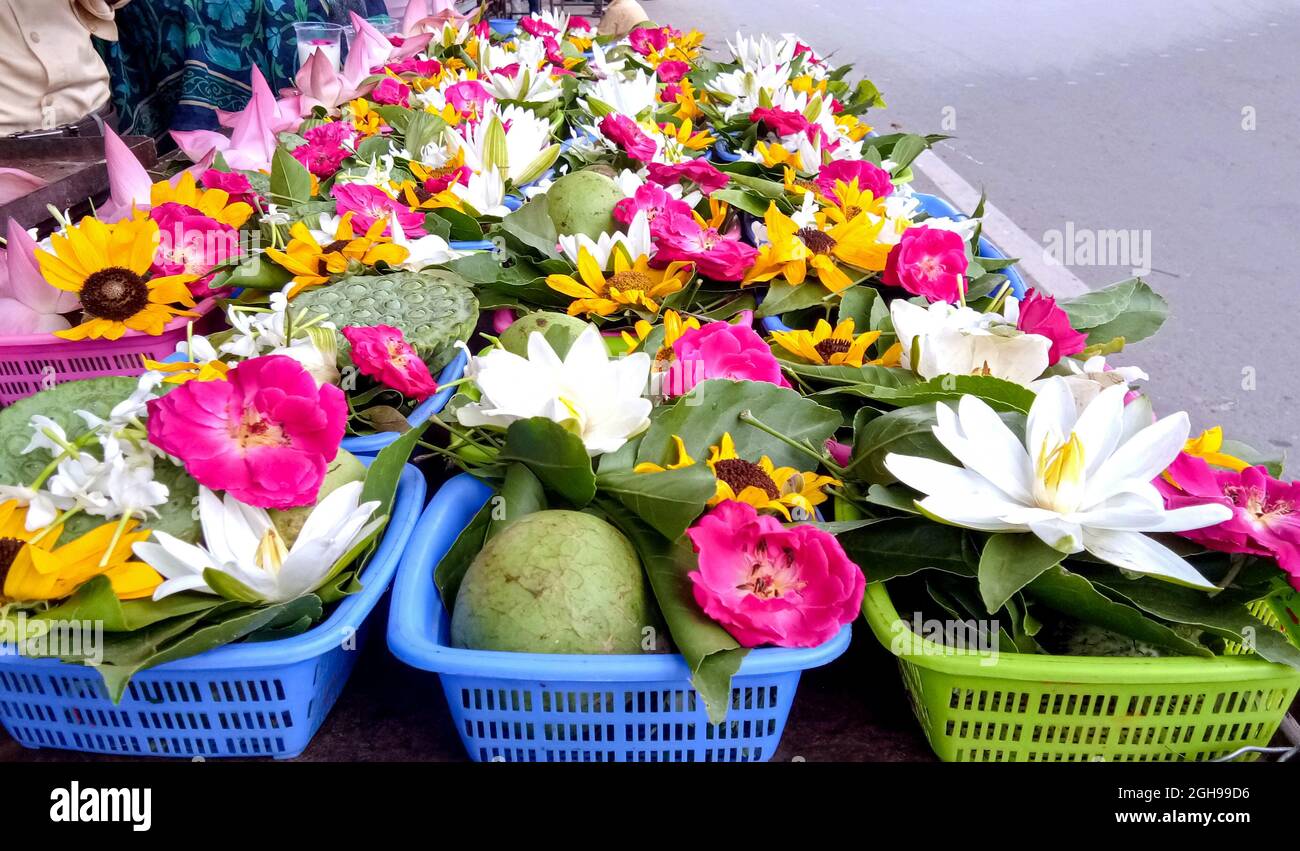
[(98, 396), (554, 582), (583, 202), (343, 469), (560, 331), (434, 309)]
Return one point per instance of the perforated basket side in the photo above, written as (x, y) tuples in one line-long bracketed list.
[(31, 363), (519, 720)]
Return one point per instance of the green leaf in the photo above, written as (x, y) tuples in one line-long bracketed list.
[(463, 227), (555, 455), (229, 587), (902, 546), (451, 569), (857, 303), (140, 650), (1129, 309), (668, 501), (783, 297), (887, 377), (1009, 563), (1002, 395), (1225, 614), (532, 227), (290, 180), (710, 652), (521, 493), (1075, 596), (907, 431), (95, 601), (714, 407), (741, 199), (421, 129)]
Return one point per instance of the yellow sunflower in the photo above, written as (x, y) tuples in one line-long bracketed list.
[(633, 285), (33, 568), (312, 264), (213, 203), (792, 251), (106, 265), (825, 345), (849, 201), (762, 485), (674, 327)]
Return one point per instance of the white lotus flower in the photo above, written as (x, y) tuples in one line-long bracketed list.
[(598, 399), (485, 192), (763, 51), (1078, 482), (1088, 378), (630, 95), (526, 84), (601, 67), (636, 242), (527, 145), (961, 341), (241, 541), (428, 250)]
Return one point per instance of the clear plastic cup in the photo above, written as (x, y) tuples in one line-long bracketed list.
[(316, 35)]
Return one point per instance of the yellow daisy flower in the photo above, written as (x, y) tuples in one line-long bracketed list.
[(793, 252), (674, 327), (312, 264), (762, 485), (366, 121), (213, 203), (106, 265), (687, 136), (1208, 446), (33, 568), (848, 202), (775, 155), (633, 285), (825, 345)]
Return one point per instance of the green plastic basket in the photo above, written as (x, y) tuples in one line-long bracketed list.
[(1015, 707)]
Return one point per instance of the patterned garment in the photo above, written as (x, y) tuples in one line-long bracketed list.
[(178, 61)]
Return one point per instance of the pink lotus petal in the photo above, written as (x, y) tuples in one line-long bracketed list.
[(415, 11), (128, 182), (15, 183), (25, 282), (370, 48), (411, 46), (17, 319)]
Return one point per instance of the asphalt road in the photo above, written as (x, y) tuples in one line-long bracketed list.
[(1174, 119)]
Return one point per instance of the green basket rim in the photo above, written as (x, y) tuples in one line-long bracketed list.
[(894, 633)]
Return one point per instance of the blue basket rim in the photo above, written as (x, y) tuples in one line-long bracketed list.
[(371, 443), (346, 618), (417, 623)]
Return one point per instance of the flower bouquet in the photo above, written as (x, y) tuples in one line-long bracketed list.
[(1123, 589), (96, 295), (206, 550), (637, 541)]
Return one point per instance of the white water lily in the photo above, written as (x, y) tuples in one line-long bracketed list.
[(428, 250), (1080, 481), (527, 85), (598, 399), (636, 242), (763, 51), (961, 341), (241, 541)]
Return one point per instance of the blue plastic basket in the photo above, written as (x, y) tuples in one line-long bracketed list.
[(241, 700), (370, 444), (519, 707)]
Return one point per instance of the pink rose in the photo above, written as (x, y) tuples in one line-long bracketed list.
[(678, 236), (1265, 511), (1039, 314), (651, 199), (672, 70), (625, 133), (870, 177), (468, 97), (391, 91), (190, 243), (647, 40), (783, 122), (721, 350), (701, 172), (929, 262), (369, 204), (232, 183), (381, 352), (789, 586), (536, 27), (266, 434)]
